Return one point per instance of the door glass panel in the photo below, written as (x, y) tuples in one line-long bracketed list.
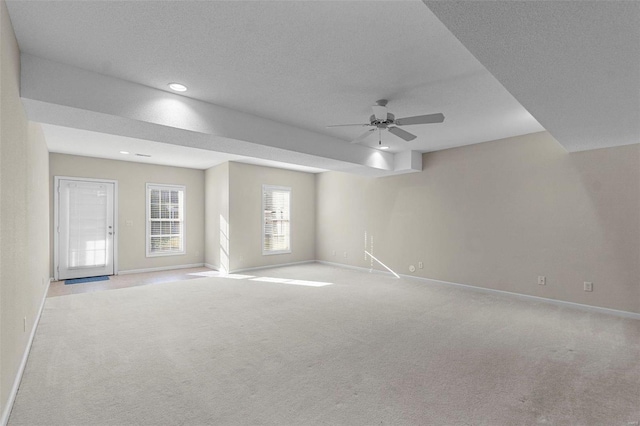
[(87, 225)]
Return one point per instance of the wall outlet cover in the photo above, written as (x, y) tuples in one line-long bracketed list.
[(588, 286)]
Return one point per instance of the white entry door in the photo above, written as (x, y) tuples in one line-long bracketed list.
[(85, 227)]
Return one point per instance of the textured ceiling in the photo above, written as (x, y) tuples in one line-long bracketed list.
[(575, 65), (307, 64)]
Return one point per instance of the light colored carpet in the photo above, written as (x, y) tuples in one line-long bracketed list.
[(369, 349)]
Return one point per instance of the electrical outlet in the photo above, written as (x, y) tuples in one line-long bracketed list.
[(542, 280), (24, 324), (588, 286), (420, 265), (345, 254)]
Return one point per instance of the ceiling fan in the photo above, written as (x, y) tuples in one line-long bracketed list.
[(384, 120)]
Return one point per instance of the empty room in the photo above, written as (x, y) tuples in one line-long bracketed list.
[(320, 212)]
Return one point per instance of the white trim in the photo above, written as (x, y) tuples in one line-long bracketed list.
[(56, 202), (608, 311), (210, 266), (235, 271), (271, 253), (355, 268), (266, 187), (23, 363), (56, 220), (183, 219), (161, 268)]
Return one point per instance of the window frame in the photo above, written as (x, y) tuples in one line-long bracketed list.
[(182, 218), (266, 188)]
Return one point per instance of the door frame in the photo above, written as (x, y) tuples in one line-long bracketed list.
[(56, 219)]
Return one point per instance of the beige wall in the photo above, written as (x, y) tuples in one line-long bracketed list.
[(216, 244), (132, 179), (245, 212), (497, 215), (24, 224)]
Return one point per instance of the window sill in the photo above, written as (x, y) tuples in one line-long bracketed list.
[(269, 253), (166, 254)]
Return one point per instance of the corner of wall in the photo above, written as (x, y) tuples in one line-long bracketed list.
[(24, 183), (216, 247)]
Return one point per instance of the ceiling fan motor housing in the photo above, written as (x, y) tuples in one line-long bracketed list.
[(382, 124)]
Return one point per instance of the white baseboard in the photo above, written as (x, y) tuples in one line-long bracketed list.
[(210, 266), (271, 266), (355, 268), (23, 363), (608, 311), (161, 268)]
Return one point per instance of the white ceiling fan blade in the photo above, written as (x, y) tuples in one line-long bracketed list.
[(402, 133), (346, 125), (380, 112), (421, 119), (363, 136)]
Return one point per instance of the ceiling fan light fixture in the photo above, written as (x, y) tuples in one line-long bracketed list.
[(178, 87)]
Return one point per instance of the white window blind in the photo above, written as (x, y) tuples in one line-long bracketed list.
[(165, 220), (276, 219)]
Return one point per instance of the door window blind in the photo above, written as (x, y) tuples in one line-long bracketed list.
[(87, 224)]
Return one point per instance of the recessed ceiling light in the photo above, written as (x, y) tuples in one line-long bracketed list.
[(178, 87), (124, 152), (384, 147)]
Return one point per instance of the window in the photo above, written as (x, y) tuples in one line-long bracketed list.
[(165, 220), (276, 220)]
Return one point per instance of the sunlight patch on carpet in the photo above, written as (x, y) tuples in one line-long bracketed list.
[(220, 274), (237, 276), (291, 282)]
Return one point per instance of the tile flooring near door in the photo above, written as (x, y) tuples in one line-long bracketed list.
[(59, 288)]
